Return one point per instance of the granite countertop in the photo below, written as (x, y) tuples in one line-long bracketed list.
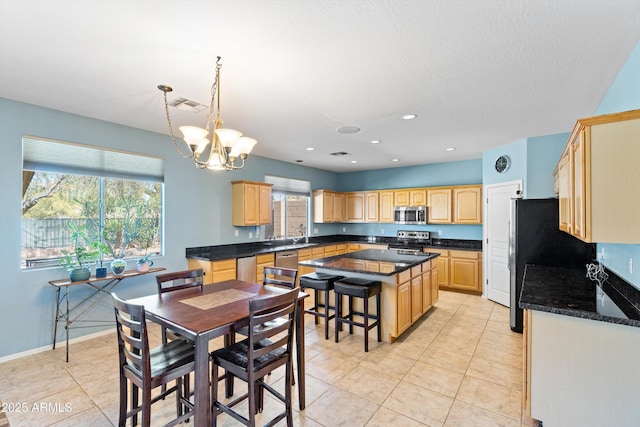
[(569, 292), (241, 250), (379, 262)]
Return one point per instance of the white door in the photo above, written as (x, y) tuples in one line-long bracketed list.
[(496, 239)]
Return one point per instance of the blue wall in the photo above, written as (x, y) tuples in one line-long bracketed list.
[(623, 95)]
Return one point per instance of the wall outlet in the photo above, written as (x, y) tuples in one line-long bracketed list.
[(250, 235), (315, 231), (601, 254), (439, 233), (630, 265), (382, 231), (344, 229), (237, 233)]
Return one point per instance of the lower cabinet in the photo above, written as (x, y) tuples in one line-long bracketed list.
[(414, 295), (459, 270), (215, 271)]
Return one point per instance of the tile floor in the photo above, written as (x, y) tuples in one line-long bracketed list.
[(460, 365)]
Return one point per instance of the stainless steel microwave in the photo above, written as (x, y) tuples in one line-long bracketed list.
[(410, 214)]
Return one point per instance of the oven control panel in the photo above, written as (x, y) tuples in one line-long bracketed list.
[(413, 235)]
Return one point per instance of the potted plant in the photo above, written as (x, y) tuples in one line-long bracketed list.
[(144, 263), (84, 253)]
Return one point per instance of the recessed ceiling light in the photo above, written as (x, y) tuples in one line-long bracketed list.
[(310, 148), (450, 149), (348, 129), (375, 141), (395, 160), (354, 161), (409, 116)]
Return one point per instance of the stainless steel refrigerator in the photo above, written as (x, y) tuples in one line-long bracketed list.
[(535, 238)]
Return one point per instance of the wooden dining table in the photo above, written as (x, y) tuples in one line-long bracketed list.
[(216, 310)]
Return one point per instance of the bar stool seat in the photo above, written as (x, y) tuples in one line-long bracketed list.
[(358, 288), (320, 282)]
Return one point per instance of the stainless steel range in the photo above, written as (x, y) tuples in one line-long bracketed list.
[(411, 241)]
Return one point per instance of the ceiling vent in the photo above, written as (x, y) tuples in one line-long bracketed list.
[(340, 154), (185, 104)]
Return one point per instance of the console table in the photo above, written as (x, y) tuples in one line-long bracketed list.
[(102, 287)]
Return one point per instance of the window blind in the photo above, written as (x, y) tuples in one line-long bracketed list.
[(290, 186), (40, 154)]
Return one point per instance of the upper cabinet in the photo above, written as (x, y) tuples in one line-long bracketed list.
[(251, 203), (597, 180), (446, 205), (328, 206), (455, 205)]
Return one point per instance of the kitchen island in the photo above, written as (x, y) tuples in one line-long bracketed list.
[(409, 283)]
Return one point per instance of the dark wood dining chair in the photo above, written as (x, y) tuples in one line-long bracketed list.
[(175, 281), (266, 349), (146, 369), (280, 276)]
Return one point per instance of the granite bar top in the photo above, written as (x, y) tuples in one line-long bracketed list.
[(240, 250), (379, 262), (567, 291)]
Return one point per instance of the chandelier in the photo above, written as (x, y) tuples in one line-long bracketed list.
[(222, 150)]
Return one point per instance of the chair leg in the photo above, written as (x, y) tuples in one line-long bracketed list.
[(122, 418), (326, 314), (179, 392), (316, 295), (378, 314), (350, 314), (366, 324), (134, 403), (287, 394), (338, 314)]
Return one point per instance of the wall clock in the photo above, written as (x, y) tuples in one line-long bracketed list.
[(502, 164)]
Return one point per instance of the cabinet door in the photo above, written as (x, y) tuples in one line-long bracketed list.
[(355, 207), (464, 274), (439, 205), (338, 207), (401, 198), (371, 203), (564, 193), (442, 264), (386, 206), (434, 285), (251, 204), (467, 205), (264, 209), (426, 291), (418, 197), (404, 307), (578, 187), (416, 298)]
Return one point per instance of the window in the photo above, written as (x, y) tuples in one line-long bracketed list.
[(291, 208), (113, 198)]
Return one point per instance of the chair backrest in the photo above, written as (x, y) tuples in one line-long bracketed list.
[(179, 280), (262, 312), (133, 341), (280, 276)]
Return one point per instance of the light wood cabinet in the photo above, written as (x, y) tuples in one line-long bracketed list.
[(604, 188), (455, 205), (401, 198), (442, 264), (355, 207), (305, 255), (328, 206), (435, 294), (416, 297), (563, 190), (439, 211), (427, 301), (418, 197), (386, 204), (467, 205), (404, 307), (215, 271), (251, 203), (371, 205), (465, 271)]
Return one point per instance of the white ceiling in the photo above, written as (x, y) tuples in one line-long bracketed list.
[(479, 74)]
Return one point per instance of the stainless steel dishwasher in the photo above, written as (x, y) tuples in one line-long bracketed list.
[(287, 259)]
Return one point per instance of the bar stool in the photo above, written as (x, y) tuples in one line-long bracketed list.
[(359, 288), (320, 282)]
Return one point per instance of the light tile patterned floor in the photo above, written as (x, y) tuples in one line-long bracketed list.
[(458, 366)]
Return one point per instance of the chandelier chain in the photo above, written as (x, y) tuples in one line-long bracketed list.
[(173, 137)]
